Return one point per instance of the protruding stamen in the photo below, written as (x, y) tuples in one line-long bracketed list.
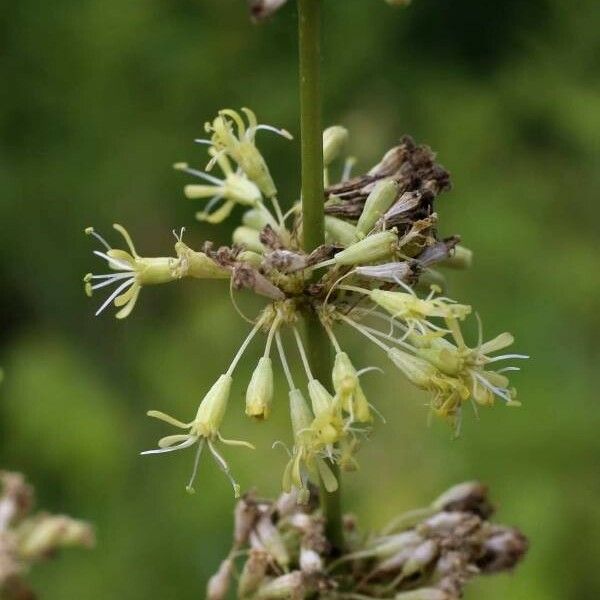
[(92, 231), (189, 488), (197, 173), (224, 467), (121, 288), (113, 261)]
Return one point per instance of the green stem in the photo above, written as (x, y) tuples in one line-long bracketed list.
[(319, 353)]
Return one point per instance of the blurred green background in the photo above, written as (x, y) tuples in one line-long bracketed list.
[(100, 97)]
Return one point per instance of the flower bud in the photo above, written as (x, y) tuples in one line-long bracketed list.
[(344, 378), (338, 231), (258, 219), (259, 394), (370, 249), (461, 258), (218, 584), (391, 272), (196, 264), (378, 202), (271, 541), (470, 496), (417, 371), (503, 550), (334, 140), (320, 398), (248, 238), (46, 533), (286, 587), (253, 573), (213, 407), (420, 558), (244, 517), (300, 413), (251, 258), (310, 561)]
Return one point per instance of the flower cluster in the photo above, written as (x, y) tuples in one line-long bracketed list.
[(425, 554), (261, 9), (27, 539), (378, 275)]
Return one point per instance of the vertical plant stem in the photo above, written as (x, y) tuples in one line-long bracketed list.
[(319, 353)]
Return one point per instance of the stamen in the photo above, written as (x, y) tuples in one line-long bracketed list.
[(113, 261), (197, 173), (189, 488), (203, 141), (122, 287), (507, 356), (189, 442), (113, 279), (282, 132), (111, 276), (497, 391), (506, 369), (92, 231), (224, 467)]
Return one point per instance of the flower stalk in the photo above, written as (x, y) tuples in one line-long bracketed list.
[(313, 215)]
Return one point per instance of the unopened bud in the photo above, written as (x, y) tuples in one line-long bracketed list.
[(334, 140), (253, 573), (271, 540), (420, 558), (218, 584), (259, 394), (310, 561), (378, 202), (287, 587), (416, 370), (470, 496), (344, 377), (503, 550), (300, 412), (258, 219), (320, 398), (244, 517), (248, 238), (338, 231), (251, 258), (461, 258), (392, 272), (370, 249), (48, 533), (261, 9)]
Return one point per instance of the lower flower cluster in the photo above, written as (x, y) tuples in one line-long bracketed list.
[(27, 539), (280, 550)]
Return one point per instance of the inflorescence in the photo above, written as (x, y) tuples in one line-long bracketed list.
[(377, 276), (280, 550)]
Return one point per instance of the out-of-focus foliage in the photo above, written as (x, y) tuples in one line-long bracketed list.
[(99, 98)]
